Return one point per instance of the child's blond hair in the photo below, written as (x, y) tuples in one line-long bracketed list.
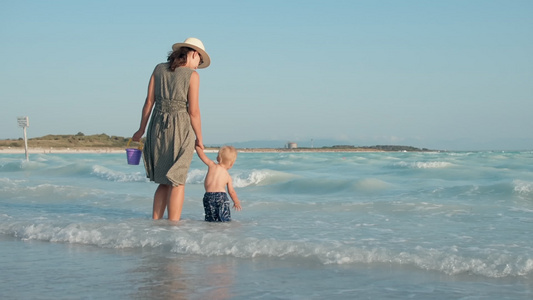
[(227, 154)]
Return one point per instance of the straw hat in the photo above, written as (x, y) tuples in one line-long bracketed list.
[(197, 45)]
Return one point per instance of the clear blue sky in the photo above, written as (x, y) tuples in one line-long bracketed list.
[(451, 74)]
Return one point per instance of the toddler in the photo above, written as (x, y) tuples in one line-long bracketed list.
[(216, 203)]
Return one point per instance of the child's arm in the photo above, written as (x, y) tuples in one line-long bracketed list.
[(233, 195), (204, 157)]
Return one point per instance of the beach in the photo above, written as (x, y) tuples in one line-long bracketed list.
[(8, 150)]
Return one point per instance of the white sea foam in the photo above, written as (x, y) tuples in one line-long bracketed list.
[(118, 176), (197, 239), (424, 165), (260, 177), (196, 176), (523, 188)]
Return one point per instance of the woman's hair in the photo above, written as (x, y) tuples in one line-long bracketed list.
[(178, 58), (227, 154)]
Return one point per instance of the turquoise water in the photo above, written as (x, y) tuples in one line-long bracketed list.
[(450, 225)]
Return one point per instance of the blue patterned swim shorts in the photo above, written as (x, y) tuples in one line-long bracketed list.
[(216, 207)]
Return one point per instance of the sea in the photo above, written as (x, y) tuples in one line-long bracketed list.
[(314, 225)]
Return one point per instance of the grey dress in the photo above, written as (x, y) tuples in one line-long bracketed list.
[(169, 146)]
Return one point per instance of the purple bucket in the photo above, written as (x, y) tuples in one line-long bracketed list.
[(134, 156)]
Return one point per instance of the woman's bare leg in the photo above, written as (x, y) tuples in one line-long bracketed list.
[(176, 197), (160, 201)]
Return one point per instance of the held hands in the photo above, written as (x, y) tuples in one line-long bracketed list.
[(198, 143)]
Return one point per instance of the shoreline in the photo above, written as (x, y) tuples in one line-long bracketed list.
[(9, 150), (59, 150)]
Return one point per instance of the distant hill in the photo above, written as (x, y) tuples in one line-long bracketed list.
[(79, 140), (103, 140)]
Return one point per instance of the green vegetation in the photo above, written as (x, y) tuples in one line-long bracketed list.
[(79, 140)]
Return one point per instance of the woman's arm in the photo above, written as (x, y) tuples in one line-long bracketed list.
[(147, 109), (194, 108)]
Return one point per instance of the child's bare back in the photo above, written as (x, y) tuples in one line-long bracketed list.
[(217, 178)]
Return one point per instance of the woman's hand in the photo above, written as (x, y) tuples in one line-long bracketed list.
[(137, 136)]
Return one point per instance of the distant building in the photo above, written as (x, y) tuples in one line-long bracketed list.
[(292, 145)]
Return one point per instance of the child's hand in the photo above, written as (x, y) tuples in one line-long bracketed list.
[(237, 205)]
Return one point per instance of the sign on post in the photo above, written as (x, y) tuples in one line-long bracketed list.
[(24, 122)]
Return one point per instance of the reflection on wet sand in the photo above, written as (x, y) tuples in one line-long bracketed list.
[(167, 276), (220, 277)]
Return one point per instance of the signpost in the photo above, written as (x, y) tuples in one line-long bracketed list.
[(24, 122)]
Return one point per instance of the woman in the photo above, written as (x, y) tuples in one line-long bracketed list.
[(174, 123)]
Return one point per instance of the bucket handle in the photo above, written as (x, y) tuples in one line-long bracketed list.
[(140, 147)]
